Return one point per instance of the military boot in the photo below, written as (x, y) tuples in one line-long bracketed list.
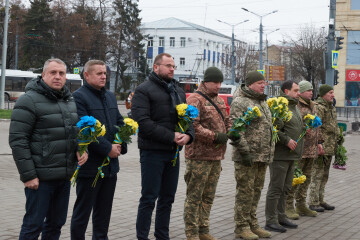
[(291, 213), (303, 210), (262, 233), (192, 238), (246, 234), (206, 236)]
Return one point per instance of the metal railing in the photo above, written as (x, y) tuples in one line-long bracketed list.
[(348, 113)]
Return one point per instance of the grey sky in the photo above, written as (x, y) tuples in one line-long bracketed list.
[(291, 15)]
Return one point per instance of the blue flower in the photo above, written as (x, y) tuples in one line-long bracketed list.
[(316, 122), (192, 111), (87, 121)]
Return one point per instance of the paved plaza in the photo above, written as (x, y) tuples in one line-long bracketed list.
[(343, 191)]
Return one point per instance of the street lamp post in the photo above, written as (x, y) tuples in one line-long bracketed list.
[(232, 49), (16, 44), (3, 60), (267, 60), (261, 33)]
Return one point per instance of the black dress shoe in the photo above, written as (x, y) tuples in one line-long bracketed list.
[(316, 208), (275, 228), (327, 206), (286, 223)]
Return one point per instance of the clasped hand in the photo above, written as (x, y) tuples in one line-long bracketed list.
[(181, 139)]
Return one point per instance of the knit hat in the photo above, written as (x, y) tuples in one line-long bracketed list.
[(305, 86), (213, 74), (252, 77), (324, 89)]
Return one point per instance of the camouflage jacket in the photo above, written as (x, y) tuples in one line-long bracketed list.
[(256, 140), (329, 128), (313, 136), (206, 124)]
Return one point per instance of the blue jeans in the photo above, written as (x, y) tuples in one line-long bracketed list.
[(99, 200), (50, 201), (159, 180)]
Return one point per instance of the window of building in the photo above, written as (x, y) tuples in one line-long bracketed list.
[(209, 53), (355, 5), (353, 48), (150, 62), (150, 41), (161, 41), (218, 58), (352, 92), (213, 56), (182, 61), (182, 42), (172, 41), (204, 53)]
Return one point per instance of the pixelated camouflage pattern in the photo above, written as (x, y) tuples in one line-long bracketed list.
[(320, 176), (201, 178), (313, 136), (257, 138), (299, 192), (249, 183), (206, 124), (329, 128)]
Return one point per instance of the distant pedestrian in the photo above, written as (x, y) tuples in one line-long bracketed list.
[(312, 148), (94, 100), (203, 165), (251, 156), (154, 108), (331, 134), (42, 137), (287, 151)]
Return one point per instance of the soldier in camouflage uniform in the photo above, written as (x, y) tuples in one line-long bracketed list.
[(203, 165), (331, 134), (251, 156), (312, 147)]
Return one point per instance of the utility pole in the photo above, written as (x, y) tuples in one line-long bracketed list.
[(16, 44), (261, 34), (233, 49), (3, 59), (267, 61), (330, 44)]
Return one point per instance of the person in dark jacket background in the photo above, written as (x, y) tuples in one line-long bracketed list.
[(42, 137), (93, 99), (154, 108)]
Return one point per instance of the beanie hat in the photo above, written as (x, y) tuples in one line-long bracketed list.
[(213, 74), (305, 86), (252, 77), (324, 89)]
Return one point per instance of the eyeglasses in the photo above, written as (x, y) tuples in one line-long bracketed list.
[(168, 66)]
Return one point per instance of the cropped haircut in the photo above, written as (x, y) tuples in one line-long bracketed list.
[(57, 60), (159, 57), (90, 63), (287, 85)]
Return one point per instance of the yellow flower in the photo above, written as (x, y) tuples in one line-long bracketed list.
[(181, 109), (133, 124), (98, 123), (283, 100), (103, 131), (270, 101), (257, 111)]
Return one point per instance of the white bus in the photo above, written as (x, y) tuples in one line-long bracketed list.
[(16, 80)]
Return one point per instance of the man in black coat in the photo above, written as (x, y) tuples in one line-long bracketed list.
[(42, 137), (93, 99), (154, 108)]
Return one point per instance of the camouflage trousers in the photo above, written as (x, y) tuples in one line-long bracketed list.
[(201, 178), (320, 175), (249, 183), (299, 192)]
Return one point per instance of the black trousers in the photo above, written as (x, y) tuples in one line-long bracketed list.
[(99, 200)]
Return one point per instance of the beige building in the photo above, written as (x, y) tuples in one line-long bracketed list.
[(347, 25)]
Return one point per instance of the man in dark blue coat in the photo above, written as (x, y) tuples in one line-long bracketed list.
[(94, 100), (154, 108)]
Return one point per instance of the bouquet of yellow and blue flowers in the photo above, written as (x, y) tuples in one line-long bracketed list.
[(186, 114), (123, 134), (279, 109), (239, 125), (299, 177), (90, 130), (311, 122)]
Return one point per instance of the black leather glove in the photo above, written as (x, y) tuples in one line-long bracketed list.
[(246, 160), (235, 140), (220, 138)]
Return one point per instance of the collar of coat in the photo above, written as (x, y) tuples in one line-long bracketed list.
[(292, 101), (308, 103), (249, 93)]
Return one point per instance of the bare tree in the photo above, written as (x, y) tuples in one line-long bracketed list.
[(246, 60)]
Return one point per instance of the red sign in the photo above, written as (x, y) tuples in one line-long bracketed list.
[(353, 75)]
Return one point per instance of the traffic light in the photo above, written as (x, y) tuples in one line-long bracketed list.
[(338, 43), (336, 77)]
